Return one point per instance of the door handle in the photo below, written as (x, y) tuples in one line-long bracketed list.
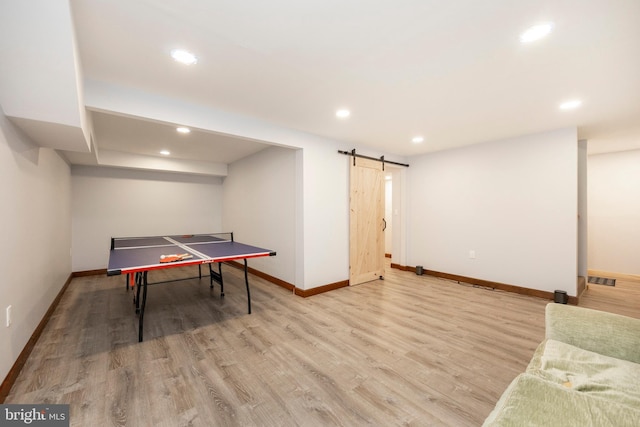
[(385, 224)]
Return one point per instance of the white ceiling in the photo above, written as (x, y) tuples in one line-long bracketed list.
[(454, 72), (148, 138)]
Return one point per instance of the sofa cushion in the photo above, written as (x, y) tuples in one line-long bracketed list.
[(605, 333), (587, 372), (531, 401)]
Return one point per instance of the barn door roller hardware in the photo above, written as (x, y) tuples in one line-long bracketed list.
[(381, 159)]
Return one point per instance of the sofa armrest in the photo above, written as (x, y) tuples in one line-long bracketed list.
[(604, 333)]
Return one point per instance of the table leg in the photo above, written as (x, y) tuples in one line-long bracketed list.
[(221, 279), (136, 297), (246, 281), (144, 302), (217, 276)]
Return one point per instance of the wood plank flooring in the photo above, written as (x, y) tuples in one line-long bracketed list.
[(623, 298), (409, 350)]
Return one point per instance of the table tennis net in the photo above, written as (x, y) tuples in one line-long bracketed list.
[(181, 239)]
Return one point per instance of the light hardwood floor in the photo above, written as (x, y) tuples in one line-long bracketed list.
[(409, 350), (623, 298)]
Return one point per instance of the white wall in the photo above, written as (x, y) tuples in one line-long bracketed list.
[(322, 175), (326, 215), (399, 218), (614, 212), (259, 206), (109, 202), (513, 202), (583, 213), (35, 225)]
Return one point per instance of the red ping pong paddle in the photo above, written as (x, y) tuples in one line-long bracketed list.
[(174, 257)]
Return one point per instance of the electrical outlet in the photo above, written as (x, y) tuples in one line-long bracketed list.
[(9, 310), (472, 254)]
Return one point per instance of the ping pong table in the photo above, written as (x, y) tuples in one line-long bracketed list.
[(136, 256)]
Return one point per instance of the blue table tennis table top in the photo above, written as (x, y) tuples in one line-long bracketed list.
[(136, 254)]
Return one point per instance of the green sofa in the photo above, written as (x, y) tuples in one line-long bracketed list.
[(585, 373)]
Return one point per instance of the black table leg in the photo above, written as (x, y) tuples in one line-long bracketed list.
[(217, 276), (221, 279), (144, 302), (246, 281), (136, 297)]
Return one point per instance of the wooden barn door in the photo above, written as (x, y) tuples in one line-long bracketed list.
[(366, 203)]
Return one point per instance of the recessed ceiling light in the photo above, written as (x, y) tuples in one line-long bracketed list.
[(183, 130), (184, 57), (536, 32), (165, 152), (417, 139), (570, 105), (343, 113)]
